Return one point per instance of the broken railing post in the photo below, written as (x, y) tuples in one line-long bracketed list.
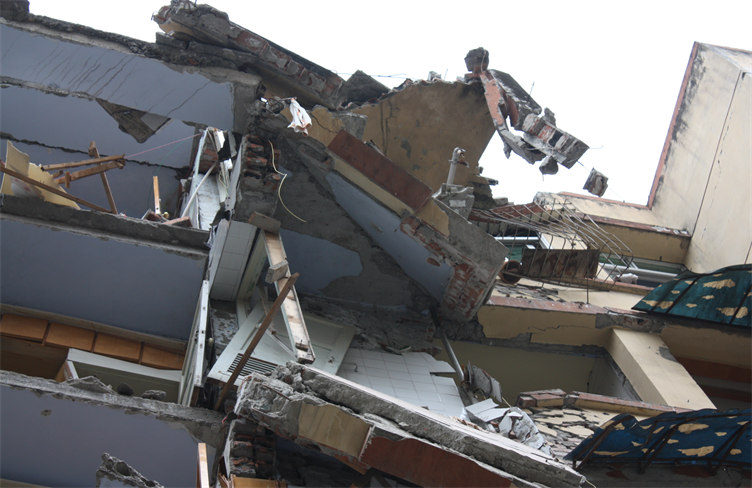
[(257, 338)]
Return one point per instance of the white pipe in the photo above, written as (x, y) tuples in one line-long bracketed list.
[(456, 155), (195, 191)]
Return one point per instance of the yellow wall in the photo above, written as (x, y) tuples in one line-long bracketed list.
[(419, 127)]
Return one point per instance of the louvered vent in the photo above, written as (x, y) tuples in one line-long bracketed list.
[(252, 365)]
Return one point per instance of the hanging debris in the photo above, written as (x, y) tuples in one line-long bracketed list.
[(596, 183)]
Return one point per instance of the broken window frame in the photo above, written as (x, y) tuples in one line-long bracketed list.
[(193, 365)]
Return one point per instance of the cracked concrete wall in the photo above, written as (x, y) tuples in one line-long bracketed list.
[(54, 434), (375, 279)]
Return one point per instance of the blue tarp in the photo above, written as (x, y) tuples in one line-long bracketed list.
[(723, 296), (707, 437)]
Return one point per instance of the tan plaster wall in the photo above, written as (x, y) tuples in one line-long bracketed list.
[(518, 370), (658, 378), (545, 327), (419, 127), (714, 345), (723, 233), (646, 244), (695, 140), (704, 185)]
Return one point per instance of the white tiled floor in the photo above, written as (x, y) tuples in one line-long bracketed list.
[(406, 376)]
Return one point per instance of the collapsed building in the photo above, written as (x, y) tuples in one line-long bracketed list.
[(216, 253)]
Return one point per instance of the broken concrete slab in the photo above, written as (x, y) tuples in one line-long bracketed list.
[(114, 472), (66, 429), (398, 427), (291, 74), (210, 96)]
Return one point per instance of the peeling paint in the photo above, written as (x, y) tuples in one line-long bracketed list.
[(687, 428), (729, 283), (610, 453), (699, 452)]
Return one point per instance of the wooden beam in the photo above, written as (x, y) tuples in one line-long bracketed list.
[(155, 182), (83, 173), (75, 164), (94, 153), (257, 338), (51, 189)]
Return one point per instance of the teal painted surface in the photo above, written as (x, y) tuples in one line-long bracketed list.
[(723, 296), (707, 437)]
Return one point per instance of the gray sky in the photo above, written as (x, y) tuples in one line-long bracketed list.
[(610, 71)]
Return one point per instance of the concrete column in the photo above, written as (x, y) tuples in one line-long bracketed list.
[(654, 373)]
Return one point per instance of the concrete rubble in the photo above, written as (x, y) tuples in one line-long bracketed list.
[(115, 472), (365, 429)]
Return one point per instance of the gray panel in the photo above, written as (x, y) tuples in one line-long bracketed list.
[(135, 286), (383, 226), (56, 442), (118, 77), (318, 261), (72, 123)]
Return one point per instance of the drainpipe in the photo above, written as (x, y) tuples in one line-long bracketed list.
[(458, 154)]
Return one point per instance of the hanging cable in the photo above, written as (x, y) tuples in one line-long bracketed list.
[(160, 147), (279, 188)]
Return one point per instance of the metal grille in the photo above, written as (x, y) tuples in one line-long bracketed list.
[(550, 241)]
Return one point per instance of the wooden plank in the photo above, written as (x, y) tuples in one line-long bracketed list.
[(77, 175), (162, 342), (159, 358), (52, 189), (23, 327), (117, 347), (264, 222), (293, 315), (181, 221), (202, 468), (155, 183), (94, 153), (48, 167), (290, 282), (68, 336), (238, 482)]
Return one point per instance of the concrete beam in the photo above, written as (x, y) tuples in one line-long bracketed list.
[(653, 372), (436, 446)]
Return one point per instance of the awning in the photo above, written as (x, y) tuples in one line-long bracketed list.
[(722, 296), (704, 437)]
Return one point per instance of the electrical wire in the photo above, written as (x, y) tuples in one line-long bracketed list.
[(128, 156), (279, 188)]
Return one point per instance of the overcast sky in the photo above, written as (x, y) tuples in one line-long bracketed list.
[(611, 72)]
